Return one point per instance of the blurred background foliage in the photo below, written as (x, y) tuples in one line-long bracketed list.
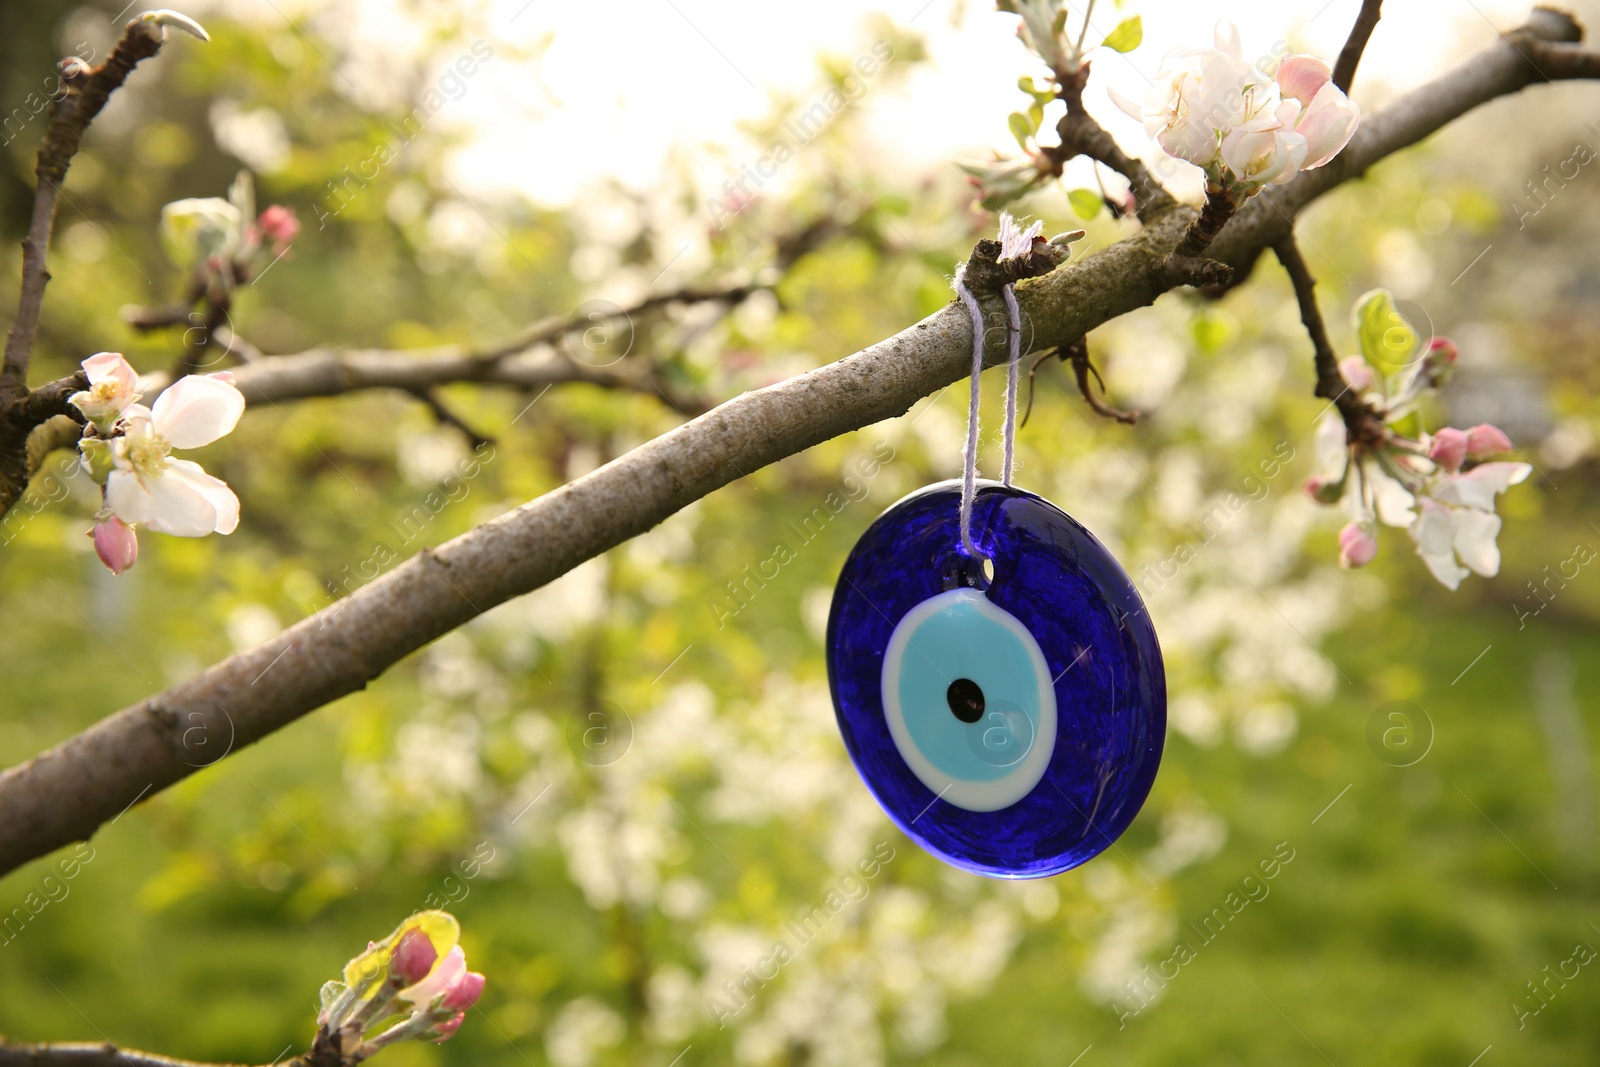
[(626, 784)]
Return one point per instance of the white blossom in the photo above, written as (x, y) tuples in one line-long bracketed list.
[(1456, 526), (113, 385), (147, 487), (1211, 108)]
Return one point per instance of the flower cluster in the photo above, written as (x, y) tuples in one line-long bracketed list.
[(224, 242), (416, 980), (1245, 130), (127, 448), (1440, 486)]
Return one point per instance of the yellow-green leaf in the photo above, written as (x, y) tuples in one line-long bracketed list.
[(1021, 128), (1387, 339), (1128, 35), (1085, 203)]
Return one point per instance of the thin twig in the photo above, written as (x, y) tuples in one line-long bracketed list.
[(71, 111), (1344, 71), (430, 398), (1360, 420), (1077, 52), (1077, 355), (1081, 135), (551, 330)]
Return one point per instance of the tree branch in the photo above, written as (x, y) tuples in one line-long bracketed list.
[(67, 792), (1076, 355), (1360, 420), (1344, 71), (1081, 135), (86, 1054), (326, 372), (20, 419), (433, 402), (71, 111), (333, 372)]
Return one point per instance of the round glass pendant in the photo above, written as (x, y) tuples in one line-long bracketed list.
[(1008, 713)]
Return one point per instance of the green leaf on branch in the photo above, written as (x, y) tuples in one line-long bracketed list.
[(1022, 128), (1128, 35), (1387, 338), (1040, 96), (1084, 203)]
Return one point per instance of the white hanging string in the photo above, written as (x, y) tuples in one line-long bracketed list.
[(1014, 352), (969, 482), (969, 478)]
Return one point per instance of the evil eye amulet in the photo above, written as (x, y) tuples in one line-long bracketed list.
[(1007, 712)]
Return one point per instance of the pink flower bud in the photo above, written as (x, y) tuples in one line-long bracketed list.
[(1357, 545), (1324, 491), (1449, 448), (447, 1029), (1439, 362), (413, 957), (116, 544), (463, 993), (279, 225), (1485, 440), (1357, 373)]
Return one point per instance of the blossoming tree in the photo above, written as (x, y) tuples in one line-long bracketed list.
[(1268, 141)]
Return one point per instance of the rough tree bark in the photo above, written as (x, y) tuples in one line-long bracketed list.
[(65, 793)]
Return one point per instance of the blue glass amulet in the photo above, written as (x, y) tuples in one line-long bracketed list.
[(1008, 717)]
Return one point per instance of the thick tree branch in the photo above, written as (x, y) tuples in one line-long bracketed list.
[(66, 793), (83, 96), (46, 406), (86, 1054), (1344, 71)]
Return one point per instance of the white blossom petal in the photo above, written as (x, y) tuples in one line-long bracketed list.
[(1474, 540), (128, 499), (1478, 487), (1227, 39), (1328, 123), (1435, 534), (196, 410), (1331, 447), (1129, 107), (1393, 500), (111, 366), (223, 504)]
